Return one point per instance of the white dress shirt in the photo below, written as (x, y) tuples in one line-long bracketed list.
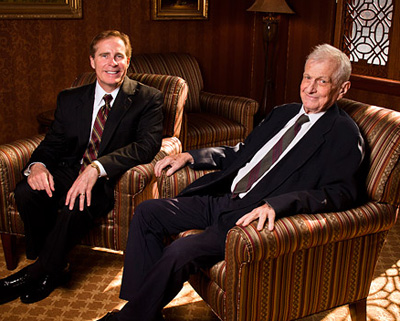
[(268, 146), (98, 103)]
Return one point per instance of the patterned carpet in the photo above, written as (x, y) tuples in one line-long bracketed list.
[(94, 290)]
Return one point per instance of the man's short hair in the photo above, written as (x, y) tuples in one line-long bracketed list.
[(328, 52), (111, 33)]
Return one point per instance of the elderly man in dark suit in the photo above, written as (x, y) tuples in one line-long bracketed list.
[(303, 158), (100, 131)]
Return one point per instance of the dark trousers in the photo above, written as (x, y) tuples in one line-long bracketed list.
[(153, 272), (51, 229)]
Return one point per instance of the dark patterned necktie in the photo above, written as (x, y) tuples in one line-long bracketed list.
[(93, 147), (266, 162)]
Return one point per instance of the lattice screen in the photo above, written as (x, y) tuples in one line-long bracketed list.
[(366, 34)]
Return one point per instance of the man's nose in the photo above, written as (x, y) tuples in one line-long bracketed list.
[(112, 61), (312, 87)]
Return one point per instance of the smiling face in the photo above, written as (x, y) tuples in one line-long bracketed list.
[(319, 89), (110, 63)]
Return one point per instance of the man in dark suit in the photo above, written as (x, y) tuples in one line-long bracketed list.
[(317, 170), (100, 131)]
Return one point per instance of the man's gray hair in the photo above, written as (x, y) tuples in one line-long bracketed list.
[(328, 52)]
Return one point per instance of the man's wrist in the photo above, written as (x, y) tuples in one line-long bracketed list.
[(189, 158), (94, 165), (27, 171)]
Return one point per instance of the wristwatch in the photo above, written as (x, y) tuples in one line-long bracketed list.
[(94, 165)]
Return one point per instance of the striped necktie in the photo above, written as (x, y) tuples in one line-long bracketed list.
[(270, 158), (93, 147)]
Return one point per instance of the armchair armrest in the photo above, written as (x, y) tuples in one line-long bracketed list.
[(304, 231), (136, 179), (133, 181), (170, 186), (239, 109), (13, 158)]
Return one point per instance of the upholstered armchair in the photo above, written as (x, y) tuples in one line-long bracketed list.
[(310, 262), (134, 186), (209, 119)]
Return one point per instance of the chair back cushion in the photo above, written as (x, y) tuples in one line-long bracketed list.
[(178, 64), (381, 130), (173, 88)]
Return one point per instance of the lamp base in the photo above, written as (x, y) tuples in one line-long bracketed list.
[(271, 22)]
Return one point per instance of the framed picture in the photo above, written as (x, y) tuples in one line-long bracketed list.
[(179, 9), (40, 9)]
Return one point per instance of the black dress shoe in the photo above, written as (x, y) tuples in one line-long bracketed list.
[(110, 316), (14, 285), (42, 288)]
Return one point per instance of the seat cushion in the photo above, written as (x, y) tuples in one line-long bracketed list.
[(207, 130)]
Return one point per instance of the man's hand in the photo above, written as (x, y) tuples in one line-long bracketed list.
[(40, 179), (262, 213), (175, 161), (82, 188)]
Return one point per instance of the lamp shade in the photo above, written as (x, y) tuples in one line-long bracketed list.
[(275, 6)]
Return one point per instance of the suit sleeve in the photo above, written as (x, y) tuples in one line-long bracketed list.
[(214, 157), (59, 145)]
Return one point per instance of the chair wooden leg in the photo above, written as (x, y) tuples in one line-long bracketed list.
[(358, 310), (9, 244)]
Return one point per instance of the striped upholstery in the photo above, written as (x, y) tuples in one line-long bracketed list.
[(181, 65), (13, 158), (133, 187), (210, 119), (309, 263)]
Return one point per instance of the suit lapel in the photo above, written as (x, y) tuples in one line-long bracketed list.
[(122, 104), (262, 134), (299, 155)]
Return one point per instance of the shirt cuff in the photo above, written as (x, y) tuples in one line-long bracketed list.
[(27, 171)]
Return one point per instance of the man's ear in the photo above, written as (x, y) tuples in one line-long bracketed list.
[(344, 88), (92, 62)]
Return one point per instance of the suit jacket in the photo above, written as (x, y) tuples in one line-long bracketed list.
[(320, 174), (132, 133)]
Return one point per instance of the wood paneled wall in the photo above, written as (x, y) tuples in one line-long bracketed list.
[(39, 58)]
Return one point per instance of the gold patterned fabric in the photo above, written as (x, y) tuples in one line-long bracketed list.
[(181, 65), (135, 186), (209, 119), (310, 262)]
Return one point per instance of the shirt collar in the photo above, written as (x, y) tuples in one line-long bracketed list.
[(100, 92), (313, 117)]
